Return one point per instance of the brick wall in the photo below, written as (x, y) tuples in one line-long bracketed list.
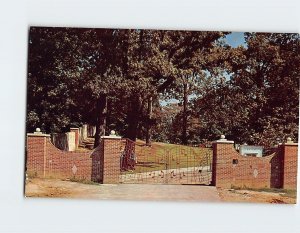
[(101, 165), (230, 169), (112, 149), (290, 161), (35, 156), (62, 164)]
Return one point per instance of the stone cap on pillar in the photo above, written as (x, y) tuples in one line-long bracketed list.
[(38, 133), (223, 140), (289, 142), (112, 135)]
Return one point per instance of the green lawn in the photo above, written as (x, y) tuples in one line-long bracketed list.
[(162, 156)]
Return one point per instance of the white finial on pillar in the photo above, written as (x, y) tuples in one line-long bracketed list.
[(289, 140), (112, 133), (37, 131), (223, 140)]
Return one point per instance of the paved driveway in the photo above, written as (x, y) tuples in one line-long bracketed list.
[(58, 188)]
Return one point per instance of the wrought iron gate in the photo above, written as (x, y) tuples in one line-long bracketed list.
[(165, 164)]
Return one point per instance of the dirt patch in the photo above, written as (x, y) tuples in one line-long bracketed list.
[(232, 195), (38, 188)]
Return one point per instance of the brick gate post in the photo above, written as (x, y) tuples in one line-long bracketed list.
[(222, 163), (111, 158), (36, 153), (290, 160)]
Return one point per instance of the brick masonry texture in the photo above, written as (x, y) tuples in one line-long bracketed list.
[(102, 165), (290, 161), (230, 169), (35, 155), (112, 149), (43, 159)]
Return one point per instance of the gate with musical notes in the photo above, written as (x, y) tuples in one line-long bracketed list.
[(165, 164)]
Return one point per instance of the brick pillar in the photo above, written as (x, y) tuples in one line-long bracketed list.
[(76, 131), (222, 168), (111, 158), (290, 160), (36, 153)]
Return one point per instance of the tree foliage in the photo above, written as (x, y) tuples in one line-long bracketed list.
[(258, 102), (117, 79)]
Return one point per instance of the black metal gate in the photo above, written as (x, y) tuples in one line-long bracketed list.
[(165, 164)]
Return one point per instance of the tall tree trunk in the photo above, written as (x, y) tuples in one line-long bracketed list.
[(101, 109), (184, 117), (133, 118), (149, 123)]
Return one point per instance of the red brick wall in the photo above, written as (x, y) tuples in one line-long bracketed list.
[(230, 169), (112, 151), (59, 164), (43, 159), (290, 161), (35, 155)]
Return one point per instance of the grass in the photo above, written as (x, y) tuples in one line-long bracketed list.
[(161, 156)]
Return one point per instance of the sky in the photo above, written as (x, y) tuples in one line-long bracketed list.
[(235, 39)]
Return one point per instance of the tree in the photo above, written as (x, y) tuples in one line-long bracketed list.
[(115, 79), (49, 101), (70, 72), (196, 52), (258, 101)]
